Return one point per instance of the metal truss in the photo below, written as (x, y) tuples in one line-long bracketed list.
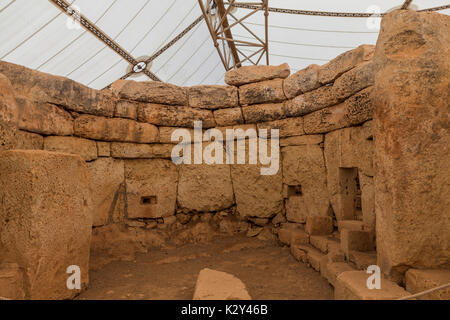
[(138, 66), (220, 20)]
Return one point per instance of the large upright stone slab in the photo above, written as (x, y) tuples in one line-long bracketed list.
[(45, 219), (412, 137)]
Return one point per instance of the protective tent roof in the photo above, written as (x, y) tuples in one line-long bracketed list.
[(37, 34)]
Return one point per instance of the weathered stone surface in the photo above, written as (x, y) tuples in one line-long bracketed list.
[(345, 62), (126, 109), (121, 130), (334, 269), (151, 188), (205, 188), (29, 141), (301, 140), (8, 136), (251, 74), (353, 225), (150, 91), (44, 118), (45, 88), (217, 285), (421, 280), (46, 219), (11, 282), (368, 202), (302, 81), (87, 149), (107, 190), (352, 285), (175, 116), (319, 226), (352, 240), (9, 115), (262, 92), (362, 260), (140, 151), (292, 236), (355, 80), (257, 195), (412, 184), (359, 108), (311, 101), (103, 149), (263, 112), (314, 258), (304, 168), (228, 117), (287, 127), (213, 97)]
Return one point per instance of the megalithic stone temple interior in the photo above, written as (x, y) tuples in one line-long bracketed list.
[(273, 184)]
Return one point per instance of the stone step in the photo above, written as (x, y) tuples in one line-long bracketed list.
[(332, 270), (352, 285), (362, 260), (322, 243), (289, 235)]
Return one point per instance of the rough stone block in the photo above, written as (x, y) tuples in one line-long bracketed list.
[(270, 91), (121, 130), (205, 188), (292, 236), (29, 141), (421, 280), (216, 285), (107, 190), (287, 127), (352, 225), (213, 97), (319, 225), (302, 81), (263, 112), (301, 140), (228, 117), (251, 74), (352, 240), (11, 282), (314, 259), (352, 285), (362, 260), (8, 136), (318, 99), (126, 109), (355, 80), (321, 243), (44, 118), (87, 149), (151, 92), (298, 254), (334, 269), (46, 219), (9, 112), (175, 116), (103, 149), (141, 151), (345, 62), (151, 188)]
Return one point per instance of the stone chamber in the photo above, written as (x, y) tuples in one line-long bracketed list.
[(87, 179)]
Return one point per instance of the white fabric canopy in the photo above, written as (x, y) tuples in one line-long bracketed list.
[(36, 34)]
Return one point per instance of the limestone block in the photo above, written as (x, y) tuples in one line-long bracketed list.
[(251, 74), (103, 149), (87, 149), (368, 202), (213, 97), (304, 168), (314, 258), (262, 92), (287, 127), (42, 88), (115, 129), (334, 269), (353, 225), (46, 219), (421, 280), (205, 188), (362, 260), (44, 118), (352, 285), (293, 236), (175, 116), (29, 141), (9, 112), (355, 80), (8, 136), (228, 117), (411, 141), (345, 62), (319, 225), (352, 240), (263, 112), (107, 190), (359, 108), (151, 188), (11, 282), (150, 91), (126, 109), (302, 81), (311, 101), (217, 285), (141, 151), (302, 140)]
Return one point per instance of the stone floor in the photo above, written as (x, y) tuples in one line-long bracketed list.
[(268, 270)]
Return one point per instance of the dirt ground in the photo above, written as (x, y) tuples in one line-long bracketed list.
[(268, 270)]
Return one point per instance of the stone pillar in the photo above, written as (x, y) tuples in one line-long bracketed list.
[(45, 219), (412, 139)]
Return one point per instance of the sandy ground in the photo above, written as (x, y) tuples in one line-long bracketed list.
[(268, 270)]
